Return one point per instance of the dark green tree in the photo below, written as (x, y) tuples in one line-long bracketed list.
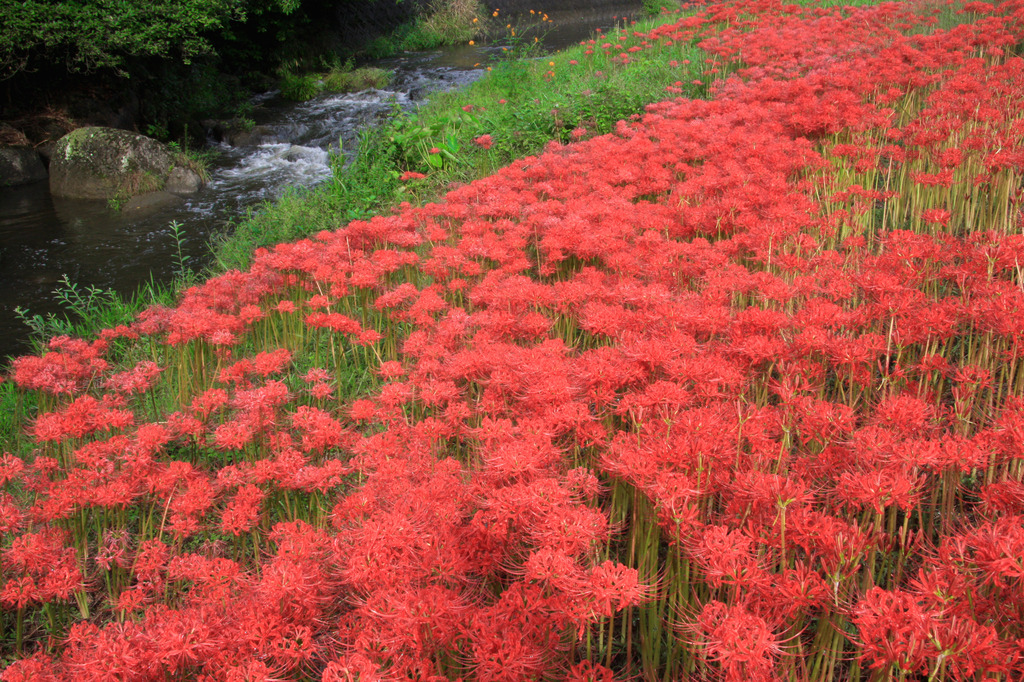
[(88, 35)]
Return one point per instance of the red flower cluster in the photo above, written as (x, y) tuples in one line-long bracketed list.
[(734, 392)]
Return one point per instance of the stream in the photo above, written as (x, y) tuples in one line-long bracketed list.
[(45, 241)]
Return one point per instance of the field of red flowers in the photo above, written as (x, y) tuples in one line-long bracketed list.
[(736, 393)]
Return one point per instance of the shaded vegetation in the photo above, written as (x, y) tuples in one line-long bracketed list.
[(164, 67)]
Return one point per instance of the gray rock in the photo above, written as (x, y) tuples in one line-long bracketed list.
[(182, 181), (106, 163), (20, 165), (46, 150), (252, 137)]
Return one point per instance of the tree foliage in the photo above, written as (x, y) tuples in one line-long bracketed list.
[(86, 35)]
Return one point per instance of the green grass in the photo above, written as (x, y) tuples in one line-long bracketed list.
[(90, 310), (347, 79), (446, 22), (300, 87), (17, 408), (655, 7)]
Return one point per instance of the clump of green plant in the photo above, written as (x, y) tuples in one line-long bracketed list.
[(655, 7), (243, 118), (347, 79), (521, 38), (88, 309), (183, 272), (196, 160), (429, 144), (387, 45), (443, 23), (158, 131), (299, 87)]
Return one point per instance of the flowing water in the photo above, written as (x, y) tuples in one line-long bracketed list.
[(45, 240)]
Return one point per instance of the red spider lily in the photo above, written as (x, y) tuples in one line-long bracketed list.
[(48, 570), (252, 671), (11, 468), (19, 593), (612, 587), (335, 322), (1003, 497), (65, 369), (319, 430), (115, 550), (243, 511), (234, 435), (727, 557), (895, 631), (350, 669), (586, 671), (37, 668), (137, 380), (208, 402), (881, 488), (150, 562), (11, 516), (83, 416), (739, 641), (317, 374)]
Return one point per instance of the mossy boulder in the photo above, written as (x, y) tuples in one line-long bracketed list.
[(107, 163)]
